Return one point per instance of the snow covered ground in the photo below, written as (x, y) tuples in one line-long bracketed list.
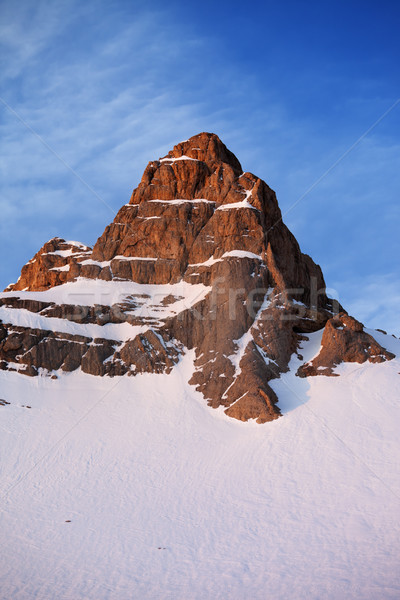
[(150, 303), (132, 488)]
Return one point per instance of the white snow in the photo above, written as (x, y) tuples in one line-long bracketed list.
[(243, 204), (182, 201), (88, 292), (170, 499), (63, 268), (21, 317), (107, 263), (183, 157), (78, 245), (97, 263), (148, 303), (151, 258), (69, 252), (149, 218), (232, 254), (241, 254)]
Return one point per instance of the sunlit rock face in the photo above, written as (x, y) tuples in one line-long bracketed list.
[(199, 259)]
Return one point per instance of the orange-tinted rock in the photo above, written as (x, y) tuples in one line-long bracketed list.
[(50, 266), (344, 340), (195, 217)]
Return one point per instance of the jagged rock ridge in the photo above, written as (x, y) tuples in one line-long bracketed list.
[(211, 267)]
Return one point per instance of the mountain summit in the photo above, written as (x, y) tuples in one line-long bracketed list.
[(198, 260)]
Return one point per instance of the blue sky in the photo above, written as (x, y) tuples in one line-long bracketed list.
[(288, 86)]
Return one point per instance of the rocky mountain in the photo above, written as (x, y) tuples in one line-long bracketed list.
[(198, 260)]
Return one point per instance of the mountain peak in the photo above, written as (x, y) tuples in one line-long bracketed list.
[(206, 147), (198, 260)]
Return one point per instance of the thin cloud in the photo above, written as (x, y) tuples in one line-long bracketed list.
[(375, 301)]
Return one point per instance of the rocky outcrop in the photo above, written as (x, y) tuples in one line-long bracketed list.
[(34, 351), (50, 266), (196, 219), (344, 340)]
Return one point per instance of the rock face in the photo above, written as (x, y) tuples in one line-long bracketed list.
[(344, 340), (205, 242), (51, 265)]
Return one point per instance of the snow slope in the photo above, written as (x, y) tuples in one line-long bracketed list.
[(169, 499), (148, 303)]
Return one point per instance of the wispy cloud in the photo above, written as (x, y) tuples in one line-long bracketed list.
[(375, 301)]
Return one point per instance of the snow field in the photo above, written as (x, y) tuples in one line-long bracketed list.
[(169, 499)]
